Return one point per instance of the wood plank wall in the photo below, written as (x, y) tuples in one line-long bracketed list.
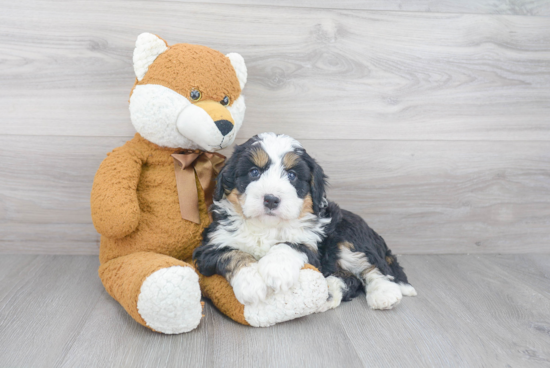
[(432, 118)]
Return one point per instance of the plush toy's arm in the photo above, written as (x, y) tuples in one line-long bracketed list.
[(114, 202)]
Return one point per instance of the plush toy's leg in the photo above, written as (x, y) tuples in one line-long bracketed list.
[(307, 297), (158, 291)]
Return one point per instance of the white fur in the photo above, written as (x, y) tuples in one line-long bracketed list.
[(154, 110), (353, 262), (249, 286), (336, 288), (292, 292), (237, 110), (281, 266), (148, 48), (170, 300), (195, 124), (277, 145), (254, 237), (381, 292), (238, 64), (273, 181), (168, 119), (306, 297), (407, 289)]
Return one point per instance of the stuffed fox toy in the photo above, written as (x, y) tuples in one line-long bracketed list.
[(149, 198)]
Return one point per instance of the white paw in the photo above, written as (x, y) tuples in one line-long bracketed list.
[(383, 294), (280, 268), (170, 300), (407, 289), (248, 285)]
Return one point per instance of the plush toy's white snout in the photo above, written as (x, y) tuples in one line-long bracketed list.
[(196, 123), (169, 119)]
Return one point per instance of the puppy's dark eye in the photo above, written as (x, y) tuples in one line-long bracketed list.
[(225, 101), (195, 95), (254, 173), (291, 175)]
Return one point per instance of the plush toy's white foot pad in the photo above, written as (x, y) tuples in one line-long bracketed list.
[(407, 289), (170, 300), (336, 288), (306, 297), (383, 294)]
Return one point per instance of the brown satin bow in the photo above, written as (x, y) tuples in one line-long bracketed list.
[(189, 165)]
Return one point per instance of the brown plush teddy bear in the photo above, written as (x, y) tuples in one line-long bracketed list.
[(150, 197)]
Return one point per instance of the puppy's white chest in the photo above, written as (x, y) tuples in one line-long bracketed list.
[(258, 243)]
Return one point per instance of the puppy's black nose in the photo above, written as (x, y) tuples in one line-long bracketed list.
[(224, 126), (271, 202)]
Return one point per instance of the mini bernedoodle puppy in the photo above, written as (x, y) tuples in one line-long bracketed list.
[(271, 216)]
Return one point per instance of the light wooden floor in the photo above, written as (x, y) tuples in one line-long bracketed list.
[(472, 310)]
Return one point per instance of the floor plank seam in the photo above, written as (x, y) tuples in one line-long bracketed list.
[(81, 326)]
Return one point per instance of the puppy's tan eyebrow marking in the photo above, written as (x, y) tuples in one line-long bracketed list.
[(290, 160), (259, 157)]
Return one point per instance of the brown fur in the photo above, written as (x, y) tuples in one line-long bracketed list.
[(235, 199), (142, 214), (237, 260), (259, 157), (347, 245), (134, 198), (307, 206), (215, 110), (389, 260), (290, 160), (184, 67), (366, 271), (217, 289)]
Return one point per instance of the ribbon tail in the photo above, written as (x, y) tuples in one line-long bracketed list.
[(187, 192)]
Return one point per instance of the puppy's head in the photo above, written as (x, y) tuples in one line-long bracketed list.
[(272, 178)]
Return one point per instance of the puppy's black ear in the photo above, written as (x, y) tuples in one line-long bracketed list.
[(222, 183), (318, 182), (225, 182)]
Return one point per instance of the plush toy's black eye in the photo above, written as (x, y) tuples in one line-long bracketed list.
[(291, 175), (225, 101), (254, 173), (195, 95)]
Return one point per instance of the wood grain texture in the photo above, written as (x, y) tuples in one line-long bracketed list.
[(313, 73), (471, 311), (43, 306), (423, 197), (217, 342), (515, 7), (468, 313)]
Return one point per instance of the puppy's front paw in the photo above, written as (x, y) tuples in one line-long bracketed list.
[(248, 285), (383, 294), (280, 268)]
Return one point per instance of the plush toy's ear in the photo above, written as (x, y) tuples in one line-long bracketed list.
[(148, 48), (240, 67)]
